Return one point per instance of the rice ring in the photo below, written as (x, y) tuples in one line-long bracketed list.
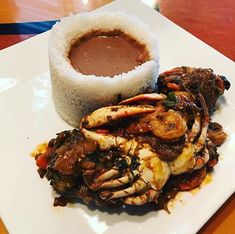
[(75, 94)]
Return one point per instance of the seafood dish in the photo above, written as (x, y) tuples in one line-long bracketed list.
[(142, 150)]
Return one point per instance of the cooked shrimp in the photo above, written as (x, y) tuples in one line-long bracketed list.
[(168, 125)]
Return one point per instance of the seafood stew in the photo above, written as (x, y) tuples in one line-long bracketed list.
[(143, 150)]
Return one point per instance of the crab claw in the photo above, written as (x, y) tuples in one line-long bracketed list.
[(143, 97), (148, 179), (104, 141), (107, 114)]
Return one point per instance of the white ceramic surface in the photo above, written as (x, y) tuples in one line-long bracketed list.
[(28, 117)]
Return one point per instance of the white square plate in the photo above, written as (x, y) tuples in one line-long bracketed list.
[(28, 117)]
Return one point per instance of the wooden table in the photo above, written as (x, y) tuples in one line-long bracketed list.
[(212, 21)]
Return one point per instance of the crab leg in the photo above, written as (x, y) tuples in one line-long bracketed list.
[(106, 114), (136, 187), (148, 196), (187, 159), (107, 175), (195, 128), (201, 160), (147, 96), (152, 171), (104, 141), (120, 181)]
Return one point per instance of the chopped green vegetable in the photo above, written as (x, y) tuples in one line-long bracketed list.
[(171, 100)]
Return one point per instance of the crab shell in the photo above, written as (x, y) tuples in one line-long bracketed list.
[(153, 173)]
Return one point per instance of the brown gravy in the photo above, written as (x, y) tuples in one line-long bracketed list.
[(107, 53)]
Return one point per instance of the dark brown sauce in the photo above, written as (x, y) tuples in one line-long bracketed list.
[(107, 53), (178, 183)]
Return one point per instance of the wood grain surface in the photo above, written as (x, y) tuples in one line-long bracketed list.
[(212, 21)]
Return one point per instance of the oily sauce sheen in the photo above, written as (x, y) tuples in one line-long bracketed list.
[(107, 54)]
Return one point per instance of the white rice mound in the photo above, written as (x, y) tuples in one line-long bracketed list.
[(74, 94)]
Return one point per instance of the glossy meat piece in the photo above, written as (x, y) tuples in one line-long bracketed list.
[(195, 81)]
